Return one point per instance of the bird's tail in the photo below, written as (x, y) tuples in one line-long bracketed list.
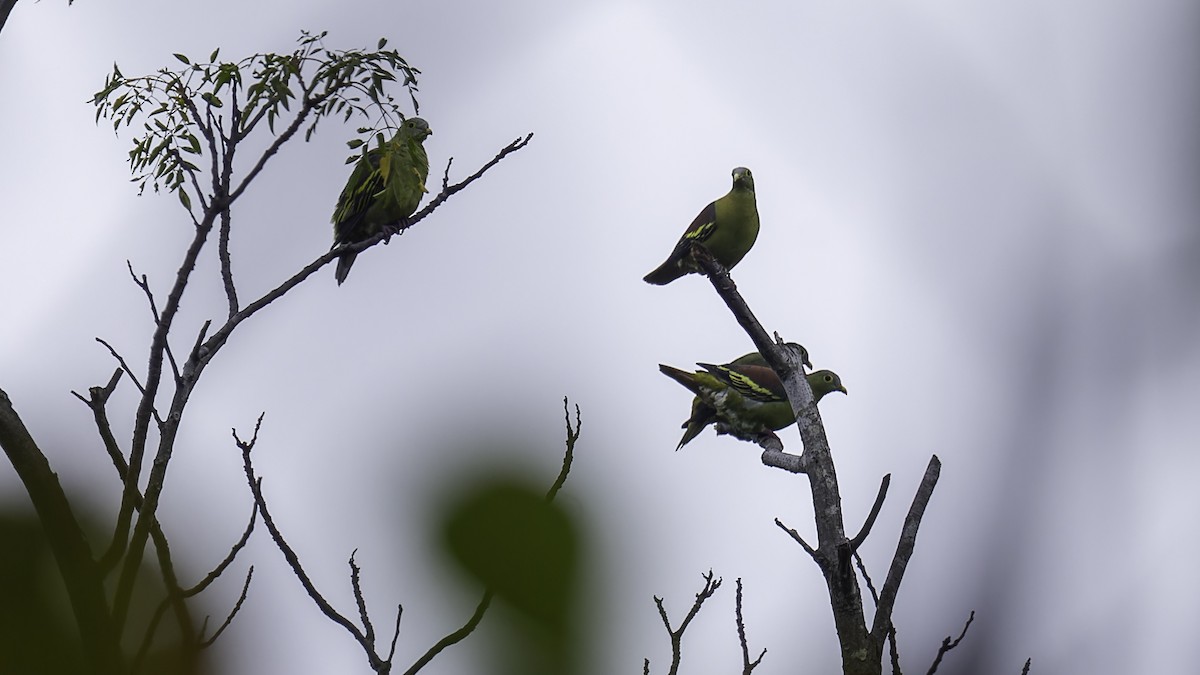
[(682, 377), (345, 262), (692, 432), (664, 273)]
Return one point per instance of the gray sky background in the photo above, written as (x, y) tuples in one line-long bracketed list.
[(982, 215)]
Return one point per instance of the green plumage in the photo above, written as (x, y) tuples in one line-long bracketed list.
[(727, 228), (744, 398), (383, 190)]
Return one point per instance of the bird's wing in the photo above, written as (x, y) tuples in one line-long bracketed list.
[(757, 383), (362, 188)]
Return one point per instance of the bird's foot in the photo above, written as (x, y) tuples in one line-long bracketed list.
[(768, 440)]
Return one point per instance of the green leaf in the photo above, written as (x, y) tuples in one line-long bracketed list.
[(213, 56), (185, 199), (382, 42), (183, 58), (506, 535), (355, 143)]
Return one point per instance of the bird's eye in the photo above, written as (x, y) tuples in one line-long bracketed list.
[(828, 378)]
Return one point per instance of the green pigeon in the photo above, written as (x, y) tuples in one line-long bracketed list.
[(384, 189), (727, 228), (704, 414), (744, 398)]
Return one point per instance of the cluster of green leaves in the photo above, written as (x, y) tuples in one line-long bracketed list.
[(184, 110)]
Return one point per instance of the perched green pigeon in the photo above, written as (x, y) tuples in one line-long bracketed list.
[(704, 414), (727, 228), (744, 398), (384, 188)]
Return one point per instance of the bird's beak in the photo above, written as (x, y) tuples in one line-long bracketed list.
[(843, 390)]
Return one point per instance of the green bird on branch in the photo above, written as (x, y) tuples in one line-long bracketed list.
[(726, 227), (384, 189), (744, 398)]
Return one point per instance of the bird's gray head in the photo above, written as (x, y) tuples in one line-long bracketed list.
[(743, 178), (416, 128)]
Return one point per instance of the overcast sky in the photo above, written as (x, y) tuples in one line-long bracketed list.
[(982, 215)]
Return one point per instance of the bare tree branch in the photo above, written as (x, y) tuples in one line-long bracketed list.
[(229, 558), (894, 650), (833, 553), (455, 637), (356, 586), (96, 401), (711, 585), (799, 540), (293, 561), (226, 262), (229, 619), (144, 283), (129, 371), (569, 455), (870, 522), (776, 458), (395, 633), (218, 339), (80, 573), (947, 645), (904, 550), (310, 103), (747, 664), (167, 430)]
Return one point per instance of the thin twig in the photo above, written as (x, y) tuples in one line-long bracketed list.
[(866, 577), (870, 522), (569, 455), (129, 371), (799, 540), (747, 664), (449, 191), (947, 645), (195, 355), (310, 103), (288, 553), (229, 619), (229, 558), (446, 174), (395, 633), (455, 637), (1028, 662), (893, 648), (97, 401), (711, 585), (356, 586), (144, 283)]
